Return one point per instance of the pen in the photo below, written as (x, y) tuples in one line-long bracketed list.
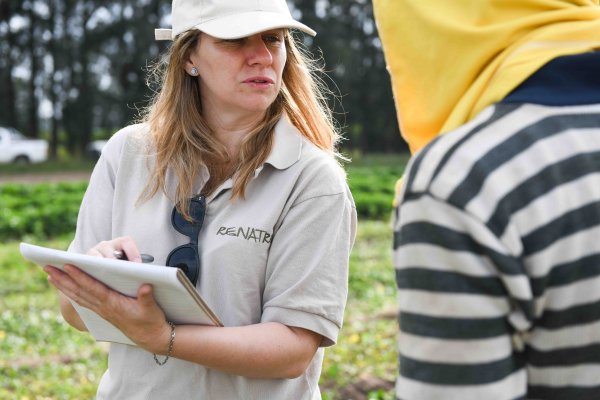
[(146, 258)]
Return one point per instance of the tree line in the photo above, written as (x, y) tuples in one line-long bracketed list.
[(75, 70)]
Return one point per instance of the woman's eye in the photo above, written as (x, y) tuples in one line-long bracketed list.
[(234, 41), (272, 38)]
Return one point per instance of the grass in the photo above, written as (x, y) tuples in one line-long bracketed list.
[(41, 357), (366, 347)]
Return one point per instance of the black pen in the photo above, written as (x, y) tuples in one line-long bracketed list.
[(146, 258)]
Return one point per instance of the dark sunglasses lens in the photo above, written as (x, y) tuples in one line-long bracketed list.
[(185, 258), (188, 228)]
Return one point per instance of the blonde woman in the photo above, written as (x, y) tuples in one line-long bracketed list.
[(232, 177)]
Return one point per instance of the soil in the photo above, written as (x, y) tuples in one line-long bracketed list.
[(361, 389), (45, 177)]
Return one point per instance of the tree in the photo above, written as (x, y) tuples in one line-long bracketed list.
[(33, 126), (52, 86), (78, 107), (85, 60), (8, 47), (347, 39)]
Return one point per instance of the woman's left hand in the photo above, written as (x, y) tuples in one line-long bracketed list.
[(140, 319)]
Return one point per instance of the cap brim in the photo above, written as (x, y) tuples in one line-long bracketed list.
[(246, 24)]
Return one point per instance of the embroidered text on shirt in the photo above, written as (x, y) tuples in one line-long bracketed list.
[(258, 235)]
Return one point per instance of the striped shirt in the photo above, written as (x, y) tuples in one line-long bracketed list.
[(497, 254)]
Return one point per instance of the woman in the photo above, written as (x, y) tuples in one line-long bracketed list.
[(236, 156)]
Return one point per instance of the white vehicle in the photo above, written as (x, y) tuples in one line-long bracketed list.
[(16, 148), (94, 149)]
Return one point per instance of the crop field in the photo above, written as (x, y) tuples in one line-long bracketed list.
[(41, 357)]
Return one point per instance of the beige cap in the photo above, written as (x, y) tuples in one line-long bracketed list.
[(229, 19)]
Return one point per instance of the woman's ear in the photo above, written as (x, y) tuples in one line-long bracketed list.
[(190, 67), (190, 63)]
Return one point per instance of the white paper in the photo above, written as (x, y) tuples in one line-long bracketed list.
[(174, 293)]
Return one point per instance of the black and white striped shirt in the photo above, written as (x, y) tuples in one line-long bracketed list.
[(497, 256)]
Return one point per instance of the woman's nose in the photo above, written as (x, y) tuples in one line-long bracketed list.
[(258, 52)]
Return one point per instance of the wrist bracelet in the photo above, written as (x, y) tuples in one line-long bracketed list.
[(170, 349)]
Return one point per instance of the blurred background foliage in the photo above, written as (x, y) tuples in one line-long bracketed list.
[(75, 70)]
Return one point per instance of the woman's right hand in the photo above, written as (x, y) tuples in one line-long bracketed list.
[(123, 244)]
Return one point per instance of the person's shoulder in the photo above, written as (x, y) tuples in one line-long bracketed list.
[(445, 162), (130, 132), (321, 167), (132, 136)]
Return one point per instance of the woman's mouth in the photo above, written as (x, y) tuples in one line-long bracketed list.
[(259, 81)]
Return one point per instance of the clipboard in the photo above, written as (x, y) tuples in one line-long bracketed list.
[(173, 291)]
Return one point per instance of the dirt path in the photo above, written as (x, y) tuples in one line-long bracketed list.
[(50, 177)]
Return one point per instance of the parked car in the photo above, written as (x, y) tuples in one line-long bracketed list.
[(16, 148), (94, 149)]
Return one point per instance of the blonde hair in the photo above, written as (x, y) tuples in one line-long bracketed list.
[(183, 141)]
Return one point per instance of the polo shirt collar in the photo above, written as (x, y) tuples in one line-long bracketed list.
[(286, 151), (287, 145)]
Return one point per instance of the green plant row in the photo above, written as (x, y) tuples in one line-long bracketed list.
[(49, 210), (373, 189), (41, 210)]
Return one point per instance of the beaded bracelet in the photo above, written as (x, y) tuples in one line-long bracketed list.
[(170, 349)]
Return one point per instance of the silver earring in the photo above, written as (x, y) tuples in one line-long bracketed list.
[(194, 71)]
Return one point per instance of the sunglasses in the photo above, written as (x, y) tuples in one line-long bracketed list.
[(186, 256)]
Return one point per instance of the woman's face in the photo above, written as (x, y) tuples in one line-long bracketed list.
[(239, 76)]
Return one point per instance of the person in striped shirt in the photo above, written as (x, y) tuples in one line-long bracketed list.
[(497, 229)]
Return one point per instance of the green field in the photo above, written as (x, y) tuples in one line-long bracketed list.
[(43, 358)]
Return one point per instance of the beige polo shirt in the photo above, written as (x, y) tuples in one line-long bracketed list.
[(281, 255)]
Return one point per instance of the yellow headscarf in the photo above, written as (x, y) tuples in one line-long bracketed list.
[(449, 59)]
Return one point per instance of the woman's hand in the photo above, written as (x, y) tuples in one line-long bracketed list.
[(124, 244), (140, 319)]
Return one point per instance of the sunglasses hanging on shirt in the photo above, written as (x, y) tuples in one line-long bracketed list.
[(186, 257)]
